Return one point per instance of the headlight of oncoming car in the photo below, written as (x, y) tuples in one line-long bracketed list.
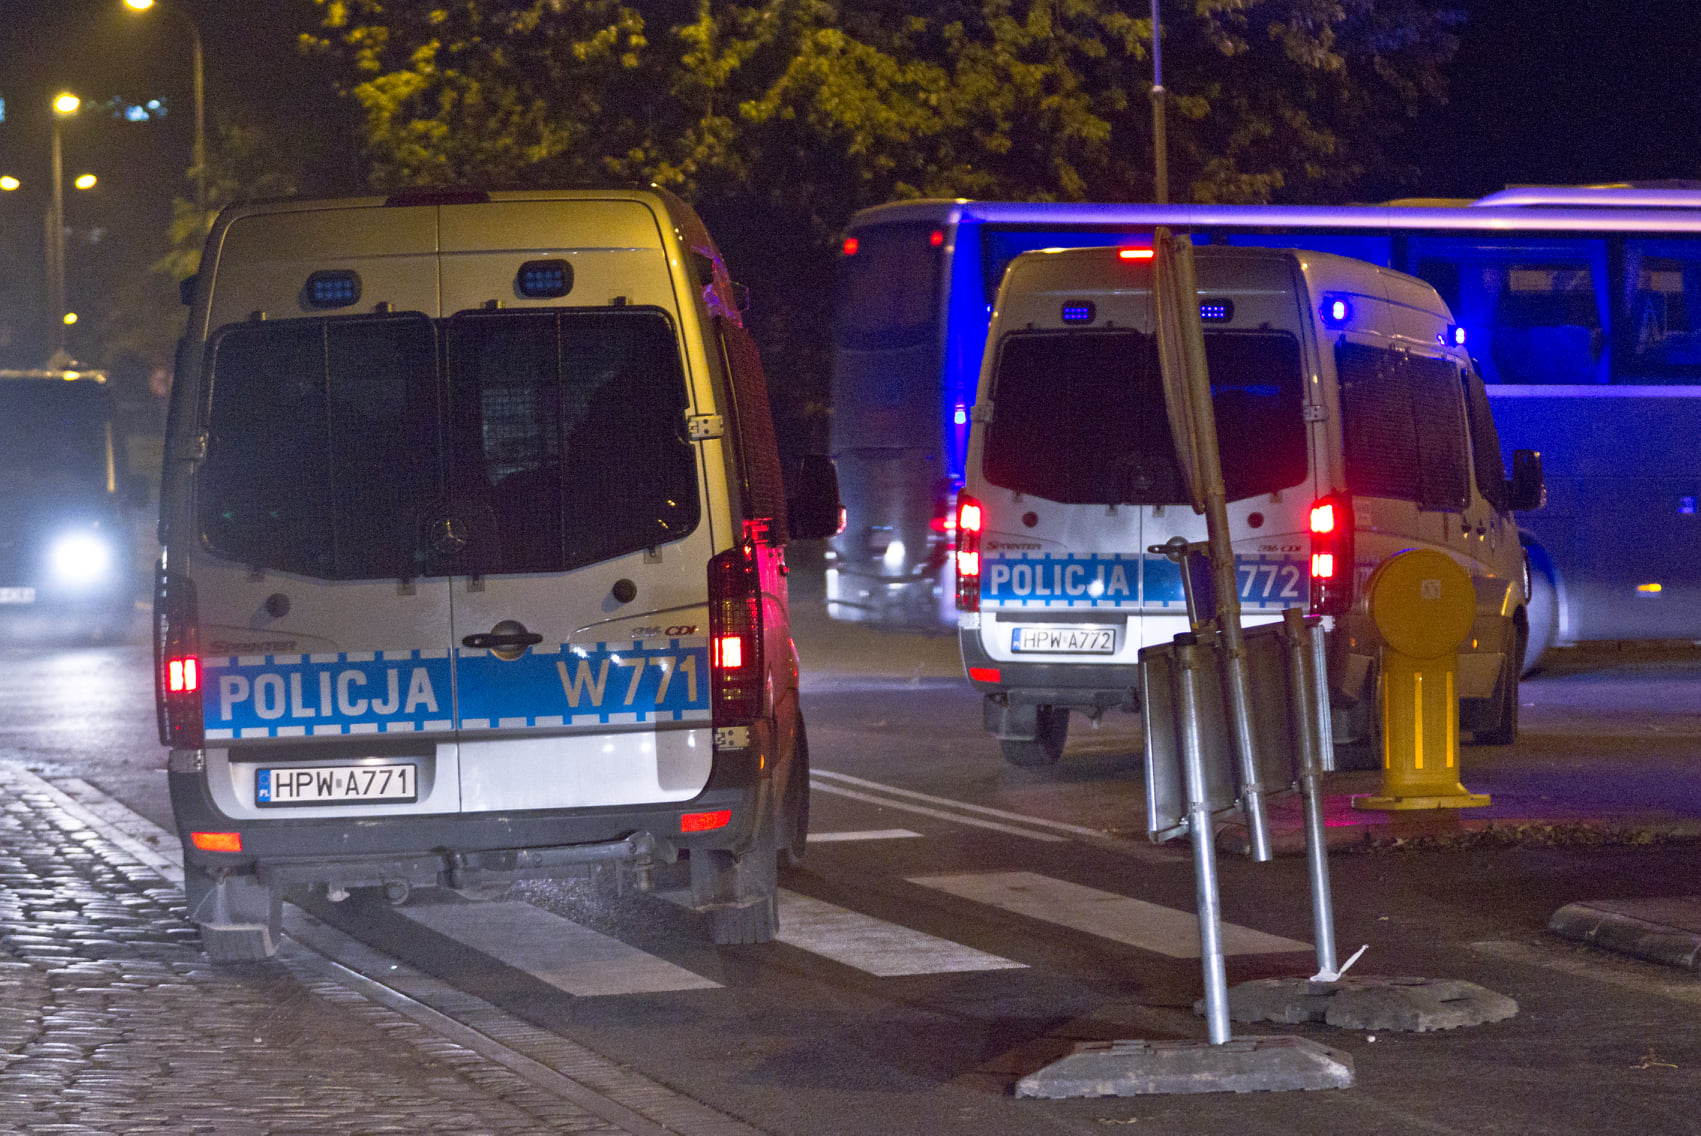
[(80, 558)]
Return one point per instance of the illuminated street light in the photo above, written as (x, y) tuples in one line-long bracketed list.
[(64, 105), (200, 155), (85, 181), (9, 183)]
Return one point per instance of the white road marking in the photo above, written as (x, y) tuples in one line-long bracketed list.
[(1135, 922), (555, 950), (816, 786), (960, 806), (874, 945), (870, 834)]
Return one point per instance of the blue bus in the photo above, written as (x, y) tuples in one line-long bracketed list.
[(1582, 306)]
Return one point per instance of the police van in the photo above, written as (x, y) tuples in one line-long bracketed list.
[(1352, 426), (474, 559)]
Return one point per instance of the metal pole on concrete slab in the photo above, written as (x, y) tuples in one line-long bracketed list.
[(1203, 835), (1302, 685)]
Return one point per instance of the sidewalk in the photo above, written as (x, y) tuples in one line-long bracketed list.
[(112, 1020)]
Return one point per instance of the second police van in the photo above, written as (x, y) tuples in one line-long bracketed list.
[(474, 560), (1352, 426)]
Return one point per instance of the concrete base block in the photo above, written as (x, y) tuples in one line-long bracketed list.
[(1140, 1068), (1666, 931), (1368, 1002)]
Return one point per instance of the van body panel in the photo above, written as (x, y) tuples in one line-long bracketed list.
[(1071, 583), (446, 526)]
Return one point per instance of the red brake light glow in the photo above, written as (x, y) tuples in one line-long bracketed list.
[(1323, 517), (705, 822), (1136, 254), (850, 246), (936, 238), (969, 521), (1331, 521), (735, 637)]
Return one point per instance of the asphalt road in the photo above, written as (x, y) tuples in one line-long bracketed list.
[(961, 922)]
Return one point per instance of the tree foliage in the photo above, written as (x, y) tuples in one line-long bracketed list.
[(780, 118)]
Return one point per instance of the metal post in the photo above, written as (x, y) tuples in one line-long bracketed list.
[(1303, 679), (1160, 140), (56, 242), (1200, 830)]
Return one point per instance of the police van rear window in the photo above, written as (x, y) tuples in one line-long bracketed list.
[(366, 447), (1078, 417)]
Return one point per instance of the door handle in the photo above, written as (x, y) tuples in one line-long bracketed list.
[(491, 640)]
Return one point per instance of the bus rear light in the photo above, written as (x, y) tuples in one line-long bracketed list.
[(1136, 254), (1331, 555), (217, 841), (735, 637), (936, 238), (177, 663), (969, 521), (705, 822)]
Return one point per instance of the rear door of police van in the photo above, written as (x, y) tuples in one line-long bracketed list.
[(579, 601)]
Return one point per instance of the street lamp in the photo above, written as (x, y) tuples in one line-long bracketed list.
[(64, 106), (200, 156)]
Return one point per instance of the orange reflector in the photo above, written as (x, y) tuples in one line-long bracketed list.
[(1649, 589), (705, 822), (217, 841), (729, 652), (1136, 254), (985, 674)]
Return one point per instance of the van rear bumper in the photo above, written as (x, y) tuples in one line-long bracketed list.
[(1093, 687), (456, 849)]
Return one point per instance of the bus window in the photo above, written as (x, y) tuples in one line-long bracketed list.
[(888, 287), (1532, 313), (1659, 319)]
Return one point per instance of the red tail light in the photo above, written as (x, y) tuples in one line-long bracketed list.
[(1332, 555), (735, 637), (177, 663), (969, 522)]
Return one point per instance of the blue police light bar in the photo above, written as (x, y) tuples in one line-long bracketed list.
[(331, 288), (544, 279), (1216, 311), (1079, 311), (1337, 311)]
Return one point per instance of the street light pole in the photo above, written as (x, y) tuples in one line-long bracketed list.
[(200, 153), (1160, 141), (64, 106)]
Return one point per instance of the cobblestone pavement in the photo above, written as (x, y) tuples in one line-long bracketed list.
[(113, 1021)]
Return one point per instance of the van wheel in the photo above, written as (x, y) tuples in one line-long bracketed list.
[(1360, 727), (1051, 732), (1503, 727), (1542, 607), (740, 890), (795, 820)]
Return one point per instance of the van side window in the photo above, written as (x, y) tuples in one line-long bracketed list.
[(567, 430), (1485, 442), (753, 427), (1078, 416), (322, 444), (1403, 427)]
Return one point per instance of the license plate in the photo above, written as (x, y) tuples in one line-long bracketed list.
[(1064, 640), (337, 784), (17, 595)]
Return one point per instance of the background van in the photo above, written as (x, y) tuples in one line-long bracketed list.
[(1352, 426), (474, 565)]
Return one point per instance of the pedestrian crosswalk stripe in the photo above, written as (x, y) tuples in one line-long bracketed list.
[(875, 946), (1135, 922), (555, 950), (869, 834)]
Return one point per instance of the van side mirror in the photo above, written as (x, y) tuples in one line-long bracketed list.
[(813, 508), (1526, 490)]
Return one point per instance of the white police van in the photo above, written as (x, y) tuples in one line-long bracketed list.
[(473, 567), (1352, 426)]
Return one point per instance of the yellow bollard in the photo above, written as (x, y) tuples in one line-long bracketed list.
[(1423, 604)]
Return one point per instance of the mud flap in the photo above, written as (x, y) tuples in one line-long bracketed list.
[(740, 890), (241, 919)]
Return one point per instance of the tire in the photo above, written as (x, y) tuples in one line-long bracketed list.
[(1046, 746), (740, 890), (794, 820), (1503, 727), (1542, 607)]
